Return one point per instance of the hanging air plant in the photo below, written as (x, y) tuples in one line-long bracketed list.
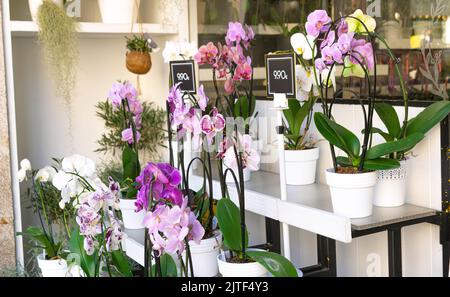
[(57, 34)]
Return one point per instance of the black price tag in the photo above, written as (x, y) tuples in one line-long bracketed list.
[(280, 74), (183, 72)]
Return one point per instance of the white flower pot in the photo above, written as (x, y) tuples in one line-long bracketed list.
[(204, 255), (119, 11), (352, 194), (34, 6), (52, 268), (229, 178), (301, 166), (131, 219), (391, 187), (227, 269)]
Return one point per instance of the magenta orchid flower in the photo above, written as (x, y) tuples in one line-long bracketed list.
[(317, 22), (206, 54), (235, 33), (212, 124), (127, 135)]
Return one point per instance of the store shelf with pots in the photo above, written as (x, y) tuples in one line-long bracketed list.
[(307, 207)]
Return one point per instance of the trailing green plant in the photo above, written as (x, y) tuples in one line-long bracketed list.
[(296, 137), (58, 36), (152, 132), (420, 124), (138, 43)]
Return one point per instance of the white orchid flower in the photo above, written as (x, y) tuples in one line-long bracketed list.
[(45, 174), (303, 45), (332, 79), (78, 164), (25, 164), (21, 175), (305, 81), (174, 51)]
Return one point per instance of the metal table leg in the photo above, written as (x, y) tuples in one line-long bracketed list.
[(395, 251)]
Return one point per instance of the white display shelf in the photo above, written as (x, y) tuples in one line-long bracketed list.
[(28, 29), (307, 207)]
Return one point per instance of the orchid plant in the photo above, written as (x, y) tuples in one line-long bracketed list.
[(97, 240), (42, 193), (348, 41), (170, 223), (124, 99)]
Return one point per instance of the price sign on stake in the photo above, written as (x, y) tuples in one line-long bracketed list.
[(183, 72), (280, 74)]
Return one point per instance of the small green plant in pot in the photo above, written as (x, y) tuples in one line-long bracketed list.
[(138, 59), (301, 154), (390, 190)]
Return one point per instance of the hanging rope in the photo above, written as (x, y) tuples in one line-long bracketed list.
[(137, 15)]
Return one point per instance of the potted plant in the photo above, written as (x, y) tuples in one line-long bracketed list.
[(232, 64), (96, 240), (138, 59), (119, 11), (390, 190), (301, 154), (353, 177), (52, 236), (197, 120), (58, 36), (239, 260), (125, 114), (170, 223)]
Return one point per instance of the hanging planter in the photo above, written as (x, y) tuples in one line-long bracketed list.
[(390, 190), (138, 59), (352, 194), (119, 11)]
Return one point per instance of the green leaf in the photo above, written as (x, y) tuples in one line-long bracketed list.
[(343, 161), (400, 145), (121, 263), (276, 264), (381, 164), (168, 266), (389, 118), (428, 118), (130, 163), (385, 135), (229, 220), (38, 235), (87, 262), (337, 135)]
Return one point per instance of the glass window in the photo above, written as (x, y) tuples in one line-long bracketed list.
[(417, 31)]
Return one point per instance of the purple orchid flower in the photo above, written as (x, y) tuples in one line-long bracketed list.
[(317, 22), (235, 33), (203, 99), (127, 135)]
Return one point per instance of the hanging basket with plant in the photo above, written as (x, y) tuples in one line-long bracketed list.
[(138, 59)]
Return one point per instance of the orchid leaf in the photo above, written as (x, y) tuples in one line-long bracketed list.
[(87, 262), (228, 217), (343, 161), (121, 263), (130, 163), (168, 266), (385, 135), (381, 164), (389, 117), (276, 264), (428, 118), (400, 145), (337, 135)]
